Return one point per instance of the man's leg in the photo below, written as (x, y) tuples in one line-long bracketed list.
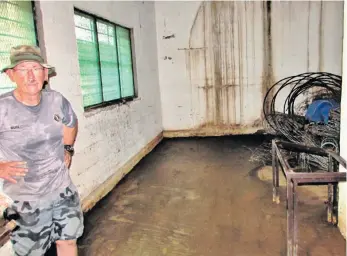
[(33, 235), (66, 247), (68, 222)]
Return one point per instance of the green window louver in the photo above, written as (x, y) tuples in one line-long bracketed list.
[(16, 27), (125, 60), (88, 60), (105, 60), (109, 61)]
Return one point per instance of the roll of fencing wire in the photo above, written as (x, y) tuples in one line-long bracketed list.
[(309, 113)]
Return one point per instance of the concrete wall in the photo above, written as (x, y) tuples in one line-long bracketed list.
[(108, 137), (342, 211), (217, 59)]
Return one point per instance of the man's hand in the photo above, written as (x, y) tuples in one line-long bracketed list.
[(9, 170), (3, 203), (67, 159)]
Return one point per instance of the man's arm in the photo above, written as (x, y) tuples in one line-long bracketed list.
[(70, 134), (70, 128), (69, 137)]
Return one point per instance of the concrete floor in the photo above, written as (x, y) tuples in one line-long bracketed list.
[(200, 197)]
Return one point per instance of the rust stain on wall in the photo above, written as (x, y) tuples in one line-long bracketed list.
[(268, 79), (308, 36), (232, 64), (236, 47), (321, 34), (216, 44), (218, 63), (241, 59)]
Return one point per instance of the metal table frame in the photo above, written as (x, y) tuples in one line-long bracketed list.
[(299, 176)]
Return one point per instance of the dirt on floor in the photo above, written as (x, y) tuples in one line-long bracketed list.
[(202, 197)]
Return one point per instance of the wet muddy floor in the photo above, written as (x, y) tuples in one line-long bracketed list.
[(198, 196)]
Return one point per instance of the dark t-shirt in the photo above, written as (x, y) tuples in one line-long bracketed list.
[(34, 134)]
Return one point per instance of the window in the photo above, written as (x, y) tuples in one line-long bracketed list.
[(105, 60), (17, 26)]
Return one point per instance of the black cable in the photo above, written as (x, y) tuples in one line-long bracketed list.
[(328, 85)]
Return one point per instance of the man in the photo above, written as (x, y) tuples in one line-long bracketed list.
[(38, 129)]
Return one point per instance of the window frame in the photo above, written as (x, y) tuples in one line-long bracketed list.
[(34, 8), (121, 100), (35, 21)]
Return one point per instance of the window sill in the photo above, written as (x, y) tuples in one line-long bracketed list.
[(105, 106)]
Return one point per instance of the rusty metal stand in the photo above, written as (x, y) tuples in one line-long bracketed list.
[(296, 176)]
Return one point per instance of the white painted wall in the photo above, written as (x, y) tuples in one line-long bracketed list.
[(216, 68), (342, 211), (108, 137)]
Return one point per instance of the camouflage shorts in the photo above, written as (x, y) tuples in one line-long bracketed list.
[(42, 223)]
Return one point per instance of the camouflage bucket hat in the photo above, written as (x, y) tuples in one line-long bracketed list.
[(22, 53)]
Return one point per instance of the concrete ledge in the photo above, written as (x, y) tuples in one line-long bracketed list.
[(104, 188), (212, 131)]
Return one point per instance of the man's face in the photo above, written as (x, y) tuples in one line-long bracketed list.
[(29, 77)]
